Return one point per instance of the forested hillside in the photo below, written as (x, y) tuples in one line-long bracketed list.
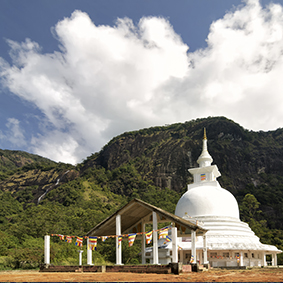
[(39, 196)]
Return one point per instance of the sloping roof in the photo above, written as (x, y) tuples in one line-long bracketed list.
[(133, 213)]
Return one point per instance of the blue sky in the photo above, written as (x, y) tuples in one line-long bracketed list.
[(75, 73)]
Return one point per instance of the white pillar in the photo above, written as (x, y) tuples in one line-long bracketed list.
[(174, 245), (47, 249), (274, 259), (193, 242), (143, 243), (118, 233), (264, 259), (89, 253), (80, 257), (205, 261), (241, 258), (154, 238)]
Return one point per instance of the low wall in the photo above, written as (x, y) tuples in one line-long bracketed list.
[(231, 267), (162, 269), (61, 268), (174, 268)]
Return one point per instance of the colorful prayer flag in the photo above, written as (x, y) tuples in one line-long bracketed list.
[(119, 240), (168, 239), (202, 177), (61, 237), (163, 233), (131, 238), (69, 239), (104, 238), (148, 237), (79, 241), (92, 243)]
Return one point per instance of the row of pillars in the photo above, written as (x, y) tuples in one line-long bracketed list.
[(263, 261), (154, 239), (119, 250)]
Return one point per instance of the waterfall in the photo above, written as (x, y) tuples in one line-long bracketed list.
[(51, 187)]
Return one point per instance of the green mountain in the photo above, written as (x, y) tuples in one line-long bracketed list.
[(39, 196), (11, 160), (250, 162)]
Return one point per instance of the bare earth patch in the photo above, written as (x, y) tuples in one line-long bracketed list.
[(214, 275)]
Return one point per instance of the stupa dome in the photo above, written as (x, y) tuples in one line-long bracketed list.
[(207, 200), (205, 197)]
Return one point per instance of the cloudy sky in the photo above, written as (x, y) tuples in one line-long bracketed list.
[(75, 73)]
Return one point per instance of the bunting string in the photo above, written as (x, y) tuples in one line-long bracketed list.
[(112, 236), (92, 243)]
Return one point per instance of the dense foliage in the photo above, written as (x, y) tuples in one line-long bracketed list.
[(72, 208)]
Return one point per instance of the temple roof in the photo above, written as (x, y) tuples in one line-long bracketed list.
[(134, 212)]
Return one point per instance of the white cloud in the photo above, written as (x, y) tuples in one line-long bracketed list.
[(58, 145), (107, 80), (14, 133)]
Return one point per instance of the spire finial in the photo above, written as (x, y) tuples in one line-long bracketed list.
[(205, 159)]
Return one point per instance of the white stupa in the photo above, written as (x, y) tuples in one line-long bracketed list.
[(230, 242)]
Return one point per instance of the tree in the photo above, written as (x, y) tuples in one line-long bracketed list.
[(249, 208)]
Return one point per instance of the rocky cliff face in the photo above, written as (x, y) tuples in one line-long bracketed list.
[(29, 177), (33, 185), (164, 154)]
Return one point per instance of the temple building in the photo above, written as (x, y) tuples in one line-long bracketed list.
[(229, 241)]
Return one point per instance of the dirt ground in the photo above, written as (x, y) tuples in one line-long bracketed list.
[(214, 275)]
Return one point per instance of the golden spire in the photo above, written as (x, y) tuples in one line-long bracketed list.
[(204, 134)]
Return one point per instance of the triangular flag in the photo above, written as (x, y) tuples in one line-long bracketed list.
[(167, 239), (131, 238), (61, 237), (92, 243), (68, 239), (148, 237), (163, 233), (79, 241), (119, 240), (104, 238)]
